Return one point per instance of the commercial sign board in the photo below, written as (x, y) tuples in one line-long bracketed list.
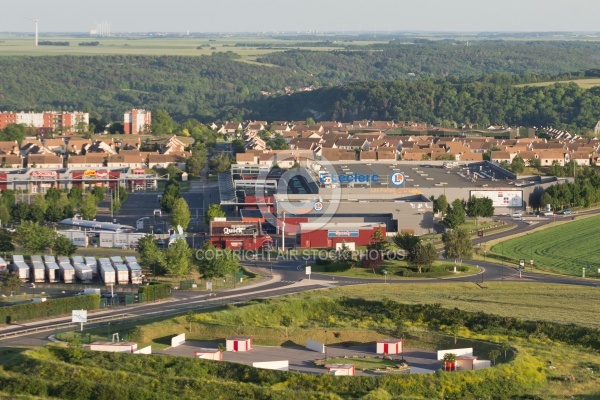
[(79, 316), (501, 198), (397, 179), (342, 233), (349, 178), (43, 174), (93, 174)]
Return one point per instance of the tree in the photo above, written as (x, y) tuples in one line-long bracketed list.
[(456, 215), (197, 161), (424, 256), (4, 214), (64, 247), (220, 163), (458, 245), (89, 207), (178, 258), (151, 255), (75, 196), (180, 214), (310, 121), (8, 198), (20, 212), (286, 321), (190, 317), (10, 282), (408, 243), (378, 241), (52, 195), (534, 162), (442, 204), (99, 193), (14, 132), (494, 354), (162, 123), (215, 262), (35, 238), (455, 331), (214, 211), (38, 209), (6, 244), (170, 195), (517, 165), (505, 346), (480, 207)]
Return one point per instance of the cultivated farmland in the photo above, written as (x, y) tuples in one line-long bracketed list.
[(563, 249)]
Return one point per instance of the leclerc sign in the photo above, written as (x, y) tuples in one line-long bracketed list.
[(348, 178)]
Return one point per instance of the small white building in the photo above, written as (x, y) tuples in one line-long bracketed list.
[(209, 354), (239, 343), (341, 369), (115, 347), (390, 346)]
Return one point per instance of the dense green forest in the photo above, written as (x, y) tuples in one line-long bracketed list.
[(222, 87), (442, 102), (437, 59)]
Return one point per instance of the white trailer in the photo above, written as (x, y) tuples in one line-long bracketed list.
[(116, 260), (66, 270), (83, 272), (122, 273), (107, 273), (48, 258), (16, 258), (135, 273), (63, 259), (103, 261), (52, 271), (78, 259), (3, 265), (129, 259), (93, 264), (38, 270), (21, 269)]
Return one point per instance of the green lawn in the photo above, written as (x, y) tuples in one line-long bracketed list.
[(563, 249)]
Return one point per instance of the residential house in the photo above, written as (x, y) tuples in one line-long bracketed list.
[(44, 161), (78, 146), (57, 146), (10, 148), (230, 128), (352, 144), (550, 156), (368, 156), (499, 156), (88, 161), (254, 128), (581, 157), (103, 146), (280, 128), (347, 156), (329, 154), (246, 158), (164, 160), (528, 155), (384, 155), (11, 161), (470, 157), (124, 161), (33, 146), (133, 143)]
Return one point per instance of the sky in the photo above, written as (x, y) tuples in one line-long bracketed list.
[(302, 15)]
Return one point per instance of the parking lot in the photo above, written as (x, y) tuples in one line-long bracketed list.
[(301, 359)]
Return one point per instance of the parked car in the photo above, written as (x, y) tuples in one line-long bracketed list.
[(567, 212)]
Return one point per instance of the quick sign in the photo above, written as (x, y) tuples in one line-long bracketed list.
[(233, 231), (349, 178), (352, 233)]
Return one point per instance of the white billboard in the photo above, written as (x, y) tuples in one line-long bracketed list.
[(79, 316), (501, 198)]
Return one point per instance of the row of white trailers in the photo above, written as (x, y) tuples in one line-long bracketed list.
[(112, 270)]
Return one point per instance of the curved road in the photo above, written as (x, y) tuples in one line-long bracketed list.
[(285, 277)]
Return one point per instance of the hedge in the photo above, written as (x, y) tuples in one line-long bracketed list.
[(29, 311), (155, 291)]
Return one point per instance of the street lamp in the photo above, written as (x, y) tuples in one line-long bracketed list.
[(326, 347), (384, 276), (193, 241)]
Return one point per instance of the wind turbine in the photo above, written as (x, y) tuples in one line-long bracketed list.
[(36, 29)]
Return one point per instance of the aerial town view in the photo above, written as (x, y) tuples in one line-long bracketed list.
[(299, 200)]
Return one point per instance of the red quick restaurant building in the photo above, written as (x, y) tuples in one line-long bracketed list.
[(234, 235), (328, 235)]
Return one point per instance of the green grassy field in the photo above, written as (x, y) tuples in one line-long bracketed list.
[(564, 249), (584, 83)]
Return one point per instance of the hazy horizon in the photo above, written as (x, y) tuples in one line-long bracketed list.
[(271, 16)]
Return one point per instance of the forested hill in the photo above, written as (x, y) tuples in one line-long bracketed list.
[(480, 102), (222, 87), (200, 87), (436, 59)]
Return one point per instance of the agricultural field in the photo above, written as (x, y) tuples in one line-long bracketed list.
[(564, 249), (583, 83), (155, 46)]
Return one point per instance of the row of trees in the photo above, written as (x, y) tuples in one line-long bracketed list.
[(584, 192)]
